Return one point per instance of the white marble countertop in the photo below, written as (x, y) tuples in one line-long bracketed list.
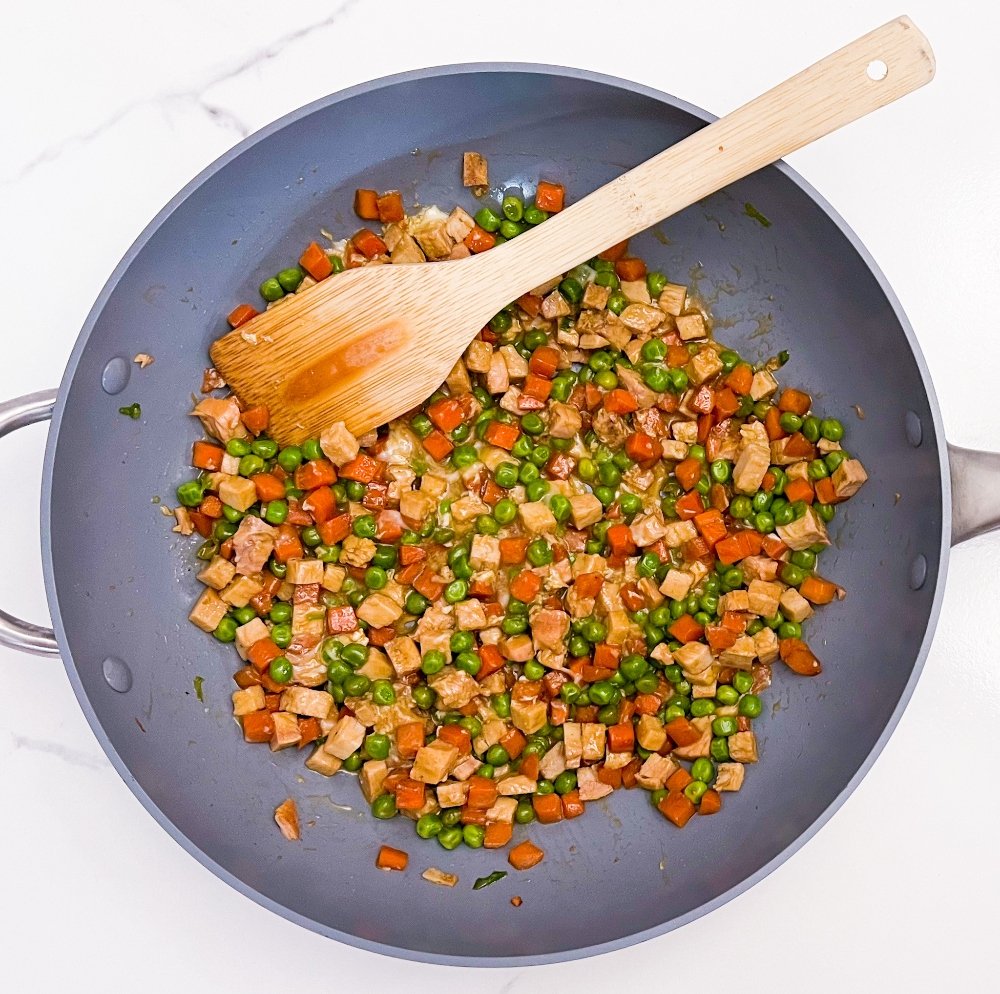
[(112, 106)]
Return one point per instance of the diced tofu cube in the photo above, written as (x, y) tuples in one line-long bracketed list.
[(573, 744), (763, 385), (307, 620), (485, 552), (455, 688), (357, 551), (759, 568), (676, 584), (679, 532), (372, 777), (729, 776), (647, 528), (703, 745), (764, 597), (248, 634), (238, 492), (239, 592), (346, 737), (305, 571), (596, 297), (565, 420), (593, 739), (694, 657), (497, 376), (848, 478), (655, 771), (590, 787), (466, 768), (517, 648), (636, 291), (208, 611), (320, 761), (704, 366), (619, 627), (478, 356), (376, 666), (475, 170), (805, 531), (685, 431), (529, 716), (311, 703), (452, 794), (752, 464), (794, 606), (585, 510), (434, 761), (536, 517), (502, 810), (333, 577), (247, 701), (676, 450), (286, 731), (766, 645), (672, 299), (553, 762), (404, 654), (642, 318), (555, 306), (735, 600), (549, 629), (517, 365), (515, 785), (470, 615), (415, 506), (468, 507), (743, 747), (690, 326), (339, 444), (217, 573), (650, 733), (379, 610), (740, 655)]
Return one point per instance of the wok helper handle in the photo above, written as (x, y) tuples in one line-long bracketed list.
[(17, 634), (975, 480)]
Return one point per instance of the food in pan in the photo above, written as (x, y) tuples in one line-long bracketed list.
[(570, 571)]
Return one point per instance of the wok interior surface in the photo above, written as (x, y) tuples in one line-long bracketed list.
[(123, 583)]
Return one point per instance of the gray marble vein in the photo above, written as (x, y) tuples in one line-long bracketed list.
[(74, 757), (190, 95)]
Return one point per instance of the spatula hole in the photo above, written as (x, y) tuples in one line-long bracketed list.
[(877, 70)]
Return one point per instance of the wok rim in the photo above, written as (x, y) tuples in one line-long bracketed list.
[(161, 817)]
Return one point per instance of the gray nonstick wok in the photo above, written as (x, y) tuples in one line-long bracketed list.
[(120, 583)]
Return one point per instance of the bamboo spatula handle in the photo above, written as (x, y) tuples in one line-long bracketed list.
[(835, 91)]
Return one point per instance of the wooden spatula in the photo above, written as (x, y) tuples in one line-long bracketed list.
[(367, 345)]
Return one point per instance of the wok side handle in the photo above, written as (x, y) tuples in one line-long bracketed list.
[(975, 481), (17, 634)]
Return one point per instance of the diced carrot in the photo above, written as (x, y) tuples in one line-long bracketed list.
[(525, 586), (316, 262), (392, 859), (514, 742), (735, 621), (643, 448), (211, 507), (258, 726), (768, 482), (726, 402), (606, 656), (696, 549), (438, 445), (320, 503), (619, 401), (686, 629), (588, 584), (548, 808), (615, 252), (239, 316), (719, 637), (703, 400), (772, 423), (513, 550), (526, 854), (799, 446), (740, 379), (613, 778), (679, 779), (268, 487), (502, 435), (677, 808), (204, 455), (799, 658), (341, 620), (572, 806), (711, 803), (752, 541), (544, 361), (409, 739), (558, 713), (682, 731), (689, 505), (366, 204), (550, 196), (630, 269), (479, 240), (530, 304), (409, 554), (729, 550), (529, 765), (536, 387), (362, 468), (621, 737), (425, 583), (711, 526), (688, 473), (498, 834), (286, 816), (315, 473), (411, 794), (457, 736), (794, 401), (816, 590), (390, 207), (261, 653), (309, 731), (482, 792), (287, 544), (446, 413), (677, 356), (226, 549), (620, 539), (335, 530), (825, 491), (256, 418), (648, 703), (368, 243), (799, 490), (381, 636)]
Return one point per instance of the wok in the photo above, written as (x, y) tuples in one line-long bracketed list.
[(119, 583)]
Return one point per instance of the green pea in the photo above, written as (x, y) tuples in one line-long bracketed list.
[(528, 472), (648, 564), (826, 512), (539, 455), (533, 670), (354, 490), (238, 447), (468, 662), (811, 428), (450, 838), (524, 813), (633, 666), (586, 469), (725, 726), (423, 696), (560, 507), (572, 289), (280, 670), (383, 693), (741, 508), (384, 807), (719, 749), (266, 448), (281, 635), (784, 515), (790, 630), (727, 695), (762, 500), (311, 449), (594, 631), (364, 526), (655, 282), (703, 769), (602, 692), (742, 681), (225, 631), (532, 424), (501, 706), (678, 380), (512, 207), (511, 229), (456, 591), (609, 474), (701, 707), (338, 672), (433, 662), (277, 569), (764, 522), (696, 452), (488, 219), (818, 469), (539, 552), (790, 422), (537, 489), (422, 425), (377, 745), (750, 706), (275, 511), (355, 761), (607, 278), (473, 836), (290, 278), (629, 503), (429, 825), (463, 456), (222, 530), (250, 465), (655, 377), (565, 782), (792, 575), (831, 429), (655, 350), (617, 302), (514, 625), (721, 470), (271, 290), (834, 459), (695, 791), (496, 755)]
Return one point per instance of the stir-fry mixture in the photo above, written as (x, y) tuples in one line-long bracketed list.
[(570, 571)]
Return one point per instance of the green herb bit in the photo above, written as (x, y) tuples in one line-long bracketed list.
[(491, 879), (133, 411)]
